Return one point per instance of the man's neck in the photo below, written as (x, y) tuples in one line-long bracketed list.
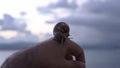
[(59, 40)]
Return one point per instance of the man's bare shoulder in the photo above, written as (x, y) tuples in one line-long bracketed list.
[(47, 42), (31, 50), (73, 44)]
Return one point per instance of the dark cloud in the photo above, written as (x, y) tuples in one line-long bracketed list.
[(64, 4), (11, 23), (108, 7), (60, 4), (100, 16), (96, 22), (108, 23), (44, 10)]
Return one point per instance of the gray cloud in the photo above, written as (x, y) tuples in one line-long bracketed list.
[(64, 4), (103, 17), (108, 7), (60, 4), (25, 37), (96, 22), (11, 23), (1, 22), (23, 13), (2, 39)]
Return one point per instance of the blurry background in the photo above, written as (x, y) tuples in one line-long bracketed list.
[(95, 26)]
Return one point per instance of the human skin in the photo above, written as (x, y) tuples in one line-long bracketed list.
[(48, 54)]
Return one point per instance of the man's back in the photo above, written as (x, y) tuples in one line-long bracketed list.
[(40, 55)]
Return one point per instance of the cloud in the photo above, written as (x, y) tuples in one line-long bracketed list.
[(95, 22), (108, 7), (64, 4), (61, 4), (9, 23), (23, 13), (2, 39), (25, 37), (101, 19), (1, 22)]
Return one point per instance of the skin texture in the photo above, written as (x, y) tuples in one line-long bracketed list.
[(48, 54)]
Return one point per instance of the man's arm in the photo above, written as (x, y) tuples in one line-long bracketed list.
[(76, 51), (80, 58)]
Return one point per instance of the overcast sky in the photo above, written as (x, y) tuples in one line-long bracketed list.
[(91, 21)]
